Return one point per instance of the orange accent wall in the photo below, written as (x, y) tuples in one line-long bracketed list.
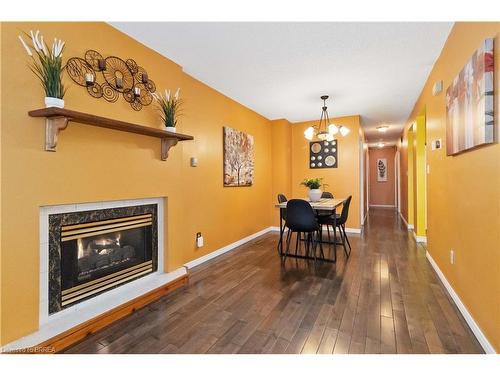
[(382, 193), (342, 181), (281, 131), (463, 191), (95, 164)]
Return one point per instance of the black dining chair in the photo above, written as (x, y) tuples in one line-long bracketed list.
[(325, 195), (300, 218), (338, 222), (281, 199)]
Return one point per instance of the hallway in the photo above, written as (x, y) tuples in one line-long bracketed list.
[(384, 299)]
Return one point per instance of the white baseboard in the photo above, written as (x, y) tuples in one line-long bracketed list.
[(420, 239), (225, 249), (232, 246), (383, 205), (353, 230), (488, 348)]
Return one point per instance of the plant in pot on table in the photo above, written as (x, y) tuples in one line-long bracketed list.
[(314, 185), (170, 107), (47, 66)]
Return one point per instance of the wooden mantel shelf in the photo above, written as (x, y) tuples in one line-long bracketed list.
[(57, 120)]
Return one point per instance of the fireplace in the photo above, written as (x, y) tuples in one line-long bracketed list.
[(91, 252)]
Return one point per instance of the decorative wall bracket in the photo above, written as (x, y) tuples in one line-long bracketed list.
[(57, 120), (53, 125), (166, 145)]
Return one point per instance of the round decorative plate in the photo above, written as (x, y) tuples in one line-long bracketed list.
[(316, 147), (330, 160)]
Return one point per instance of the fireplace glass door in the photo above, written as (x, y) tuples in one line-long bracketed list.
[(100, 255)]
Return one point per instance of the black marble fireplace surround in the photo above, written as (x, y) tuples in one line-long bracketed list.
[(76, 263)]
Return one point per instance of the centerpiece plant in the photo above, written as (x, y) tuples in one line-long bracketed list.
[(170, 108), (47, 65), (314, 185)]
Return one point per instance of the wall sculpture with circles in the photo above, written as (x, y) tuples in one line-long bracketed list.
[(323, 154), (112, 77)]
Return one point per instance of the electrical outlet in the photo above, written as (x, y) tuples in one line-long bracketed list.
[(452, 256), (199, 240)]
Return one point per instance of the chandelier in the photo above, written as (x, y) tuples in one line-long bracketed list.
[(325, 130)]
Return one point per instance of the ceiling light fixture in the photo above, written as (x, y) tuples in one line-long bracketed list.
[(382, 128), (325, 131), (381, 144)]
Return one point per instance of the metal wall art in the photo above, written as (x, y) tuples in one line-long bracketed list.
[(323, 154), (119, 77)]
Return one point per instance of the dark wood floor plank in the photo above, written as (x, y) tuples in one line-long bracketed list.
[(385, 298)]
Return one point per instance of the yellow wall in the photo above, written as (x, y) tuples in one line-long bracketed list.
[(419, 176), (463, 190), (403, 172), (1, 28), (410, 173), (94, 164), (281, 161), (342, 181)]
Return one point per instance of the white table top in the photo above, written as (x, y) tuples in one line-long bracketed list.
[(323, 204)]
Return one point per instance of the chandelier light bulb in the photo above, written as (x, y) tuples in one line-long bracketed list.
[(344, 131), (333, 129), (309, 133)]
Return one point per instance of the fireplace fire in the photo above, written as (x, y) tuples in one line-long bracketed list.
[(98, 255)]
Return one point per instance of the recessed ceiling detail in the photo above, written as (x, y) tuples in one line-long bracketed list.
[(376, 69)]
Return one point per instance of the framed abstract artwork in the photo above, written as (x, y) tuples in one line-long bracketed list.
[(238, 158), (381, 170), (469, 103)]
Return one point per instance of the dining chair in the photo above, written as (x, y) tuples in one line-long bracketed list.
[(281, 199), (300, 218), (325, 195), (339, 222)]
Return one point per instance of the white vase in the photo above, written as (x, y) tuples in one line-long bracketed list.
[(54, 102), (315, 195), (170, 128)]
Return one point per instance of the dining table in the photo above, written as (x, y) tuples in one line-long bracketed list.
[(323, 205)]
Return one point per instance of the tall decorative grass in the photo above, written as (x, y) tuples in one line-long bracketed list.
[(170, 107), (46, 64)]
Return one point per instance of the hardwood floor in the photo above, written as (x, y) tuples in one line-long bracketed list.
[(384, 299)]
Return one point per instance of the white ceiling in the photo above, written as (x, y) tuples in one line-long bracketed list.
[(280, 70)]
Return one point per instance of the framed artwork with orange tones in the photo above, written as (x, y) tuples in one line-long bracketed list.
[(238, 158), (469, 103)]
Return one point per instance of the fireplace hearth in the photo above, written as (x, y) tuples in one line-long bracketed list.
[(91, 252)]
